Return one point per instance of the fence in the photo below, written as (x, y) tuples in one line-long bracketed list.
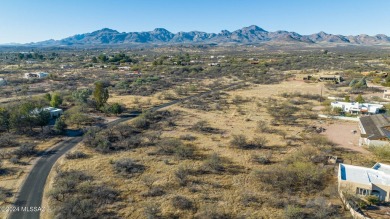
[(355, 214)]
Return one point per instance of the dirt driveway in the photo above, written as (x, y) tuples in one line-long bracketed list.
[(341, 133)]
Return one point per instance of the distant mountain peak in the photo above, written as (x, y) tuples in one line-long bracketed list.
[(160, 30), (254, 28), (106, 30), (247, 35)]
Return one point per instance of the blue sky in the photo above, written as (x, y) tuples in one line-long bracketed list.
[(37, 20)]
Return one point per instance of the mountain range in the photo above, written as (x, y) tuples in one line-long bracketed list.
[(247, 35)]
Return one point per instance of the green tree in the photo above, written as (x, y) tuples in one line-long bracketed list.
[(100, 94), (56, 100), (22, 115), (94, 59), (76, 116), (60, 125), (359, 99), (81, 95), (42, 118), (4, 119), (47, 96), (103, 58), (347, 99)]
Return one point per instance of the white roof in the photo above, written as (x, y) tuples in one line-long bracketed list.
[(378, 174)]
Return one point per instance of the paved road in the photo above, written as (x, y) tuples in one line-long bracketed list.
[(31, 193), (32, 190)]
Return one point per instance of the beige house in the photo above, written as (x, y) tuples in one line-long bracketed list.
[(386, 94), (365, 181)]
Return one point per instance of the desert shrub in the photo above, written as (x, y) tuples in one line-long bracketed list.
[(239, 141), (152, 211), (114, 108), (132, 142), (125, 131), (75, 155), (283, 112), (71, 197), (247, 198), (141, 123), (168, 146), (214, 163), (181, 175), (188, 137), (203, 126), (319, 140), (382, 152), (321, 208), (182, 203), (4, 194), (25, 150), (212, 212), (262, 159), (128, 167), (153, 137), (8, 140), (154, 192), (14, 160), (262, 126), (184, 151), (237, 99), (258, 142), (294, 212), (372, 199), (294, 177)]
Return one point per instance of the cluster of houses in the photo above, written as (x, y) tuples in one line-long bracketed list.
[(357, 108), (32, 75), (374, 131)]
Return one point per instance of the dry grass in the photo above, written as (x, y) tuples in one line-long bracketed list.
[(224, 191)]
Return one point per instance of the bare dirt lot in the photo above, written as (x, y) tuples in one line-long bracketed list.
[(341, 133)]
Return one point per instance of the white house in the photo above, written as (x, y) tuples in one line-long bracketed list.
[(36, 75), (374, 130), (54, 112), (3, 82), (365, 181), (357, 108)]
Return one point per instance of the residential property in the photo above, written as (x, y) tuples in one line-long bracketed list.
[(54, 112), (36, 75), (358, 108), (3, 82), (66, 66), (214, 64), (331, 78), (386, 94), (365, 181), (374, 130), (124, 68)]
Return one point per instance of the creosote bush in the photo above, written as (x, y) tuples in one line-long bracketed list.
[(182, 203), (128, 167), (75, 155), (298, 176)]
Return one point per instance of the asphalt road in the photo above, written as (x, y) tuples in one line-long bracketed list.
[(30, 195), (31, 192)]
